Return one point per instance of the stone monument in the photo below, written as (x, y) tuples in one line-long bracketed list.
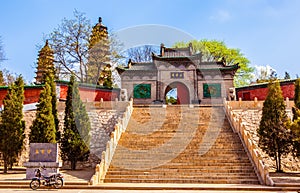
[(42, 155)]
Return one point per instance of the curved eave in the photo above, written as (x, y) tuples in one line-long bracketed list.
[(141, 71), (232, 67), (120, 70)]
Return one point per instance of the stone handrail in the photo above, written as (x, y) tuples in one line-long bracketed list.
[(111, 145), (239, 127), (256, 104)]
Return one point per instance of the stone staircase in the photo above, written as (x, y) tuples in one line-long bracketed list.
[(179, 144)]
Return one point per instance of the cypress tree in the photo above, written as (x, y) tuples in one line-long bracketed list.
[(46, 69), (12, 125), (43, 127), (76, 137), (295, 126), (296, 108), (54, 105), (274, 135)]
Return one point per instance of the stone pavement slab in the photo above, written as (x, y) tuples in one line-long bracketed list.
[(19, 174), (78, 179)]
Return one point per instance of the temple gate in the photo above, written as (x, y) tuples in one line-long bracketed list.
[(194, 81)]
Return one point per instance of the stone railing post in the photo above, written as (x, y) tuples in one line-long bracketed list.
[(255, 102), (287, 101), (247, 140), (111, 145)]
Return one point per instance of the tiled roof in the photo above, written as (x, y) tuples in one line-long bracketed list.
[(216, 65), (149, 66), (175, 57), (265, 84)]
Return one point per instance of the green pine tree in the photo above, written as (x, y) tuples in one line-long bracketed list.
[(295, 126), (46, 70), (296, 108), (273, 132), (43, 126), (54, 105), (76, 135), (12, 125)]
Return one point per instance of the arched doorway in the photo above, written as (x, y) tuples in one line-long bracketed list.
[(177, 93)]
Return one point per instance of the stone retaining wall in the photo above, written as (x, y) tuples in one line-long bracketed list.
[(251, 119), (103, 120)]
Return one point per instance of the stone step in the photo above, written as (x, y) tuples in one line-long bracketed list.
[(207, 170), (197, 143), (183, 166), (179, 160), (165, 136), (193, 144), (165, 169), (185, 163), (212, 154), (187, 181), (168, 153), (181, 176), (148, 175)]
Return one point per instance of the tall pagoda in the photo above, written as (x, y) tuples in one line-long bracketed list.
[(45, 63)]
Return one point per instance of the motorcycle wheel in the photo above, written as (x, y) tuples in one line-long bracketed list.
[(59, 183), (35, 184)]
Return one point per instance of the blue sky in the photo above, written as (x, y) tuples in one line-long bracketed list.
[(266, 31)]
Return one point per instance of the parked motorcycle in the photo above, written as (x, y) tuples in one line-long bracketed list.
[(56, 180)]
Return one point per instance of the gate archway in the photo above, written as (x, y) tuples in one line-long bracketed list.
[(178, 91)]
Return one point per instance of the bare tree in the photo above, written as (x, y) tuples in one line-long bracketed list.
[(72, 50), (141, 53), (264, 74), (70, 45), (9, 77)]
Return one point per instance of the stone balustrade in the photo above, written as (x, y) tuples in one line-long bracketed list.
[(251, 147), (255, 104), (120, 127)]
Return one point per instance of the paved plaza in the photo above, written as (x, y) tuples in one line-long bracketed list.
[(77, 182), (135, 191)]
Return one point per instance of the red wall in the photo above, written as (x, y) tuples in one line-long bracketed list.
[(3, 93), (32, 95), (91, 94), (261, 91)]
